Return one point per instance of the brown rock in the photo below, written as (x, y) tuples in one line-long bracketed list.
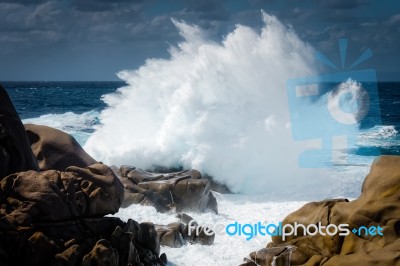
[(70, 256), (50, 236), (39, 242), (102, 254), (184, 190), (15, 152), (378, 205), (217, 186), (172, 235), (56, 150), (101, 187), (123, 241), (44, 216), (53, 196), (178, 234), (147, 237)]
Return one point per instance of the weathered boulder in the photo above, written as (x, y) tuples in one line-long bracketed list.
[(277, 256), (53, 196), (15, 152), (56, 150), (180, 233), (55, 218), (184, 190), (378, 205)]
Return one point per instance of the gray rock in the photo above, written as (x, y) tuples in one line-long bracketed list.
[(179, 191)]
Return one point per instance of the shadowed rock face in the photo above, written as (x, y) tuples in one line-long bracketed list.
[(378, 205), (56, 150), (184, 190), (15, 152), (86, 241)]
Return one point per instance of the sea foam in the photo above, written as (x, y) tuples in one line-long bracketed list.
[(220, 107)]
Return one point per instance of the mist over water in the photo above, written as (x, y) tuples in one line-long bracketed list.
[(218, 107)]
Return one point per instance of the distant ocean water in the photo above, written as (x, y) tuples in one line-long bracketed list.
[(73, 107)]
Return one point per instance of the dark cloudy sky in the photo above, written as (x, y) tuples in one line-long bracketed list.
[(94, 39)]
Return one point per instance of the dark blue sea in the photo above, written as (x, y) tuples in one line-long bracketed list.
[(33, 99), (73, 107)]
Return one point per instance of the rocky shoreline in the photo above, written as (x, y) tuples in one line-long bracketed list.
[(378, 206), (55, 198)]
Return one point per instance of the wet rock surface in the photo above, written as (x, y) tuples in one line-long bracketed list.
[(179, 191), (378, 205), (185, 231)]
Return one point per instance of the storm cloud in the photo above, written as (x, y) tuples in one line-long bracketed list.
[(94, 39)]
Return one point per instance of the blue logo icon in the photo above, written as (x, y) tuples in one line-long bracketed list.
[(331, 107)]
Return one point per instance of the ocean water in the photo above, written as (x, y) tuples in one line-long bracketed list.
[(75, 107), (221, 108)]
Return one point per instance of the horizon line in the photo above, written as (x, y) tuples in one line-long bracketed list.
[(62, 81), (98, 81)]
